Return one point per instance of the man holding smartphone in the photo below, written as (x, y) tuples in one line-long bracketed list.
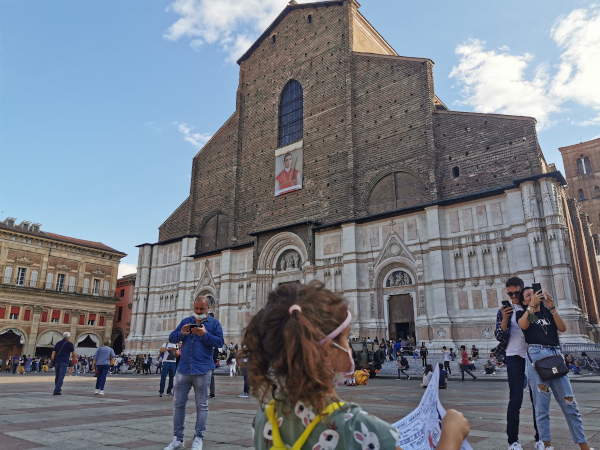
[(198, 335), (513, 348)]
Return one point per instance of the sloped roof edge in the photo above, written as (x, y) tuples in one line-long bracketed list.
[(278, 20)]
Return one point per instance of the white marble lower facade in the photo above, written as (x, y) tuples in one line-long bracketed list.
[(448, 262)]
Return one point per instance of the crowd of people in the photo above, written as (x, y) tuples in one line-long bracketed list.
[(297, 350)]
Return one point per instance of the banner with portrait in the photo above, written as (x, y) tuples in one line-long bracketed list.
[(288, 168)]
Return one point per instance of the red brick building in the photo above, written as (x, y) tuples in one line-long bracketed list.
[(340, 163), (122, 320)]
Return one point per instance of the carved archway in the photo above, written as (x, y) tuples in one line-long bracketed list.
[(276, 246)]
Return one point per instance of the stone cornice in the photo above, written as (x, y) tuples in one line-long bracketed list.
[(55, 294)]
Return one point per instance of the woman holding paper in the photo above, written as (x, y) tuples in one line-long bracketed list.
[(298, 353)]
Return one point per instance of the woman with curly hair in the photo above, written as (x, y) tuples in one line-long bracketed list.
[(297, 354)]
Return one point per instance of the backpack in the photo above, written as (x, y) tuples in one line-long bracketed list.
[(404, 363)]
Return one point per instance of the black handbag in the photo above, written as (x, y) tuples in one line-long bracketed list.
[(550, 367)]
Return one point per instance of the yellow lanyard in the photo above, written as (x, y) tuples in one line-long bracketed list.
[(278, 443)]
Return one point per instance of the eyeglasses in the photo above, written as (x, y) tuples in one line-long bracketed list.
[(513, 294)]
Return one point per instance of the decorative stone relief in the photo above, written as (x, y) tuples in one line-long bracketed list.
[(289, 260), (487, 332), (461, 284), (372, 305), (398, 278), (475, 282), (110, 315), (371, 276), (38, 309), (442, 333), (75, 312), (421, 301)]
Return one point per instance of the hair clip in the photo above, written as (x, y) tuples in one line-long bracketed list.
[(295, 307)]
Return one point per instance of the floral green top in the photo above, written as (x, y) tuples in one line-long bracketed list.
[(348, 427)]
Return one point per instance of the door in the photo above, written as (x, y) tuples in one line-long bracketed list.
[(402, 316)]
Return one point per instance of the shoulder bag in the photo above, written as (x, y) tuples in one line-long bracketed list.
[(550, 367)]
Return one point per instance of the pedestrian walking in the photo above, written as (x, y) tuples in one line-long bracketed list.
[(541, 322), (168, 352), (446, 353), (299, 342), (198, 334), (232, 362), (423, 352), (103, 359), (60, 355), (513, 349), (465, 365)]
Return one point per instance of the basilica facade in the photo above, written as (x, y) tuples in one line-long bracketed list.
[(341, 164)]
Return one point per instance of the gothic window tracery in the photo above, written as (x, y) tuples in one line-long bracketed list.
[(291, 114)]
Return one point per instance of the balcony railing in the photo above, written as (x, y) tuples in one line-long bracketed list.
[(65, 290)]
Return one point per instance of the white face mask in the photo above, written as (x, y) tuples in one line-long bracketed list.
[(200, 316), (341, 377)]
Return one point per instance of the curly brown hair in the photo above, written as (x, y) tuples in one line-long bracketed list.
[(283, 349)]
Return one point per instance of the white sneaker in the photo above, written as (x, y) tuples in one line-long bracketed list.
[(101, 392), (175, 444), (549, 448), (197, 444), (539, 445), (96, 391), (515, 446)]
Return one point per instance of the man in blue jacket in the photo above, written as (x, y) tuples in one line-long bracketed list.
[(198, 335)]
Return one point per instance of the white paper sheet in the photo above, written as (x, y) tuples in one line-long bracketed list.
[(421, 429)]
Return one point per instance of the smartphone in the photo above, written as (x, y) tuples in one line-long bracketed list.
[(506, 303), (537, 287)]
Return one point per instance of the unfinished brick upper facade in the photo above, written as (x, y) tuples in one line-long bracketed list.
[(380, 149)]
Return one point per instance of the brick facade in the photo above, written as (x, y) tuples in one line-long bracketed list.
[(379, 149)]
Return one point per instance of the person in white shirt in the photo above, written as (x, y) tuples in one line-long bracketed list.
[(446, 360), (168, 353), (512, 343)]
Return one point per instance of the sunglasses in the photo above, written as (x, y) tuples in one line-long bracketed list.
[(513, 294)]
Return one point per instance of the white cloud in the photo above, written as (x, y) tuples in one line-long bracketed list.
[(126, 269), (495, 81), (231, 24), (196, 139), (578, 35)]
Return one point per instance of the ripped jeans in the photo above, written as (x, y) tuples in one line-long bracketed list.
[(561, 388)]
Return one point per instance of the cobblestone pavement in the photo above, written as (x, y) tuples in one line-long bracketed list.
[(132, 415)]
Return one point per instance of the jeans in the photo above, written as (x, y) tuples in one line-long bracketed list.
[(102, 373), (60, 370), (27, 368), (465, 368), (183, 384), (424, 360), (169, 369), (402, 371), (561, 388), (515, 370), (75, 369), (447, 367), (212, 383), (245, 375)]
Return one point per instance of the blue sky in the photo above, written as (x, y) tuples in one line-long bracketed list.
[(103, 104)]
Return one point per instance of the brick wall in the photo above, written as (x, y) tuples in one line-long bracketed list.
[(489, 150)]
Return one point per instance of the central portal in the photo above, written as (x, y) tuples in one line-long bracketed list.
[(402, 316)]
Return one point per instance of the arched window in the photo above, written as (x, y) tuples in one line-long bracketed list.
[(215, 233), (455, 172), (584, 165), (580, 195), (291, 114)]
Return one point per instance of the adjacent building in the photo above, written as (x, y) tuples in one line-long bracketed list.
[(341, 164), (122, 319), (50, 284)]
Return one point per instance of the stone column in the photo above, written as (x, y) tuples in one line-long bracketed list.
[(29, 348), (108, 324)]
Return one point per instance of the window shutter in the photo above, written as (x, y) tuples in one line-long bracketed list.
[(34, 277), (15, 310), (2, 312), (72, 284), (45, 316), (27, 315), (66, 318), (92, 317), (7, 274), (106, 288), (49, 281), (86, 285), (101, 321), (56, 315), (82, 319)]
